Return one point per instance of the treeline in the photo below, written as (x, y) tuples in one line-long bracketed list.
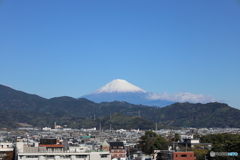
[(221, 143)]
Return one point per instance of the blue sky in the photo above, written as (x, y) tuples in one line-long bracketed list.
[(73, 47)]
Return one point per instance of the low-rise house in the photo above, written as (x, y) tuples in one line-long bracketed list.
[(105, 146)]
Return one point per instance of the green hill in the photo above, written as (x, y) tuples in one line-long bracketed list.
[(200, 115), (17, 106)]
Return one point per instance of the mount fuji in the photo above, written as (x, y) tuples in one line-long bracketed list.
[(121, 90)]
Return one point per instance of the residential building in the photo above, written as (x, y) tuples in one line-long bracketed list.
[(51, 151), (172, 155), (191, 143), (6, 151), (105, 146), (118, 150)]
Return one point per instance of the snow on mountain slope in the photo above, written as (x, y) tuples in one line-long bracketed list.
[(122, 90), (119, 85)]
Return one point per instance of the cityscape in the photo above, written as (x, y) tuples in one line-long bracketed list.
[(29, 143), (59, 128), (119, 80)]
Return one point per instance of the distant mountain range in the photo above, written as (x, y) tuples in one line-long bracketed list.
[(20, 107), (121, 90)]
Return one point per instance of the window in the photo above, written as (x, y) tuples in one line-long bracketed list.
[(81, 156), (65, 156), (183, 155), (104, 155), (32, 156), (50, 156)]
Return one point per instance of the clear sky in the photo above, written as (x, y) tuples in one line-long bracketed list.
[(73, 47)]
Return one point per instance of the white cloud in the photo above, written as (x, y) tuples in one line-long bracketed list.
[(182, 97)]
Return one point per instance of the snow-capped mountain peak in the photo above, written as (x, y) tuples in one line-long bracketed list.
[(122, 90), (119, 85)]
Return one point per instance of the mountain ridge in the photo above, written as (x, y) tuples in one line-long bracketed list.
[(16, 106)]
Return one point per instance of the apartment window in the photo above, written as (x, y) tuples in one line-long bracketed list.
[(32, 156), (81, 156), (104, 155), (65, 156)]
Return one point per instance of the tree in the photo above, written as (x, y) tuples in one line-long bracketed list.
[(200, 152), (223, 143), (196, 136), (151, 141), (177, 137)]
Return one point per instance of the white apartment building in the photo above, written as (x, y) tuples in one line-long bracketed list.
[(44, 153), (6, 150), (6, 146)]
